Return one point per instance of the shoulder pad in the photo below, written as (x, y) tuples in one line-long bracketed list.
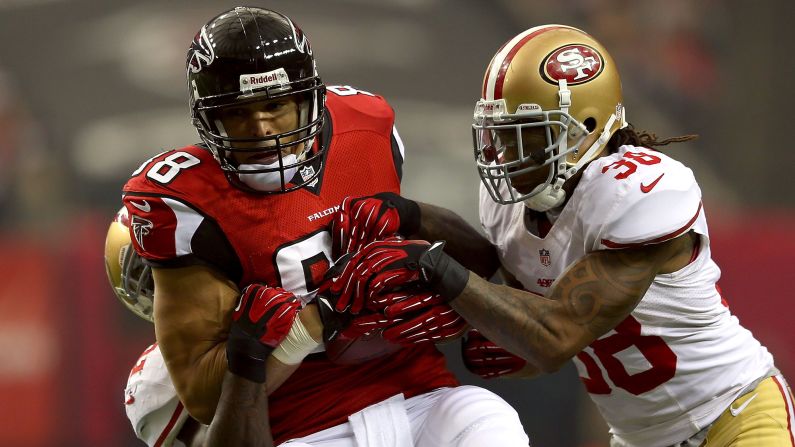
[(658, 200), (349, 106)]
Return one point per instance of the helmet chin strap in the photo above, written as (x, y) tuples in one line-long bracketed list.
[(552, 194), (271, 180), (600, 142)]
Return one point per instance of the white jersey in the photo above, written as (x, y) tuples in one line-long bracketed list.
[(151, 401), (680, 358)]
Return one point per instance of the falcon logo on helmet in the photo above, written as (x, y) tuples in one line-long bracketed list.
[(201, 52), (301, 42)]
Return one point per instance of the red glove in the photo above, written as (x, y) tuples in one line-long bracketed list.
[(437, 324), (261, 320), (379, 266), (361, 220), (384, 266), (415, 319), (486, 359)]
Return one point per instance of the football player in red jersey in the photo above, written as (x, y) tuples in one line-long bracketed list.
[(150, 400), (613, 234), (251, 204)]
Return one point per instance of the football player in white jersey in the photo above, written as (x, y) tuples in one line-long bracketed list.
[(577, 207)]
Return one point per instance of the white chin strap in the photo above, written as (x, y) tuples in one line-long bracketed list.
[(546, 199), (552, 195), (268, 181)]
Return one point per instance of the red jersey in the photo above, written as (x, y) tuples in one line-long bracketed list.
[(184, 211)]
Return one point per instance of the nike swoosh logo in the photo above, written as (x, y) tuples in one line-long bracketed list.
[(738, 410), (436, 244), (647, 189), (146, 207)]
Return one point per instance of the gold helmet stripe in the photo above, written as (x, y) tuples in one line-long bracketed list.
[(495, 77)]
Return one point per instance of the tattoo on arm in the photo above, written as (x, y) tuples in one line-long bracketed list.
[(604, 279), (594, 295)]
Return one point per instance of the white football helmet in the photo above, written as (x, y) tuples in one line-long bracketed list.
[(556, 78), (129, 277)]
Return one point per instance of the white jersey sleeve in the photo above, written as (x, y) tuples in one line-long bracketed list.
[(151, 401), (637, 197)]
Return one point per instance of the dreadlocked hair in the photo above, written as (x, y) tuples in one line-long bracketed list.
[(629, 135)]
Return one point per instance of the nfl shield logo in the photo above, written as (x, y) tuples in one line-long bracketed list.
[(307, 172), (543, 255)]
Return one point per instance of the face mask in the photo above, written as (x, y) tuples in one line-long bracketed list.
[(269, 181)]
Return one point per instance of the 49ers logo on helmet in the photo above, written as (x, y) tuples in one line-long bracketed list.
[(575, 63)]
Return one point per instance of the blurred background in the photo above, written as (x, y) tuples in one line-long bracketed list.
[(88, 90)]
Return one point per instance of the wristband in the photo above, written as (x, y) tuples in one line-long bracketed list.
[(246, 356), (443, 274), (297, 345)]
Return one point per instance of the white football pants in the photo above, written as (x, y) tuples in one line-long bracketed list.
[(464, 416)]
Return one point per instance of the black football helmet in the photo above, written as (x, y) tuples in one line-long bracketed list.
[(243, 56)]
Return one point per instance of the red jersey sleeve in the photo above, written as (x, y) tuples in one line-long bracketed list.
[(165, 228)]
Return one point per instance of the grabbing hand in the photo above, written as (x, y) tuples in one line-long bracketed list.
[(361, 220), (261, 320), (412, 318), (379, 266), (383, 266), (484, 358)]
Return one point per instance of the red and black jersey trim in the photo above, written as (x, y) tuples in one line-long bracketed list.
[(209, 246), (210, 249), (396, 156)]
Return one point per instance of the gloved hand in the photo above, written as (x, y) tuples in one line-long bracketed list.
[(484, 358), (382, 266), (261, 320), (361, 220), (412, 317)]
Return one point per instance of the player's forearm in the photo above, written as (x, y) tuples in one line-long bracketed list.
[(535, 328), (278, 373), (590, 298), (198, 381), (202, 385), (464, 243), (242, 415)]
